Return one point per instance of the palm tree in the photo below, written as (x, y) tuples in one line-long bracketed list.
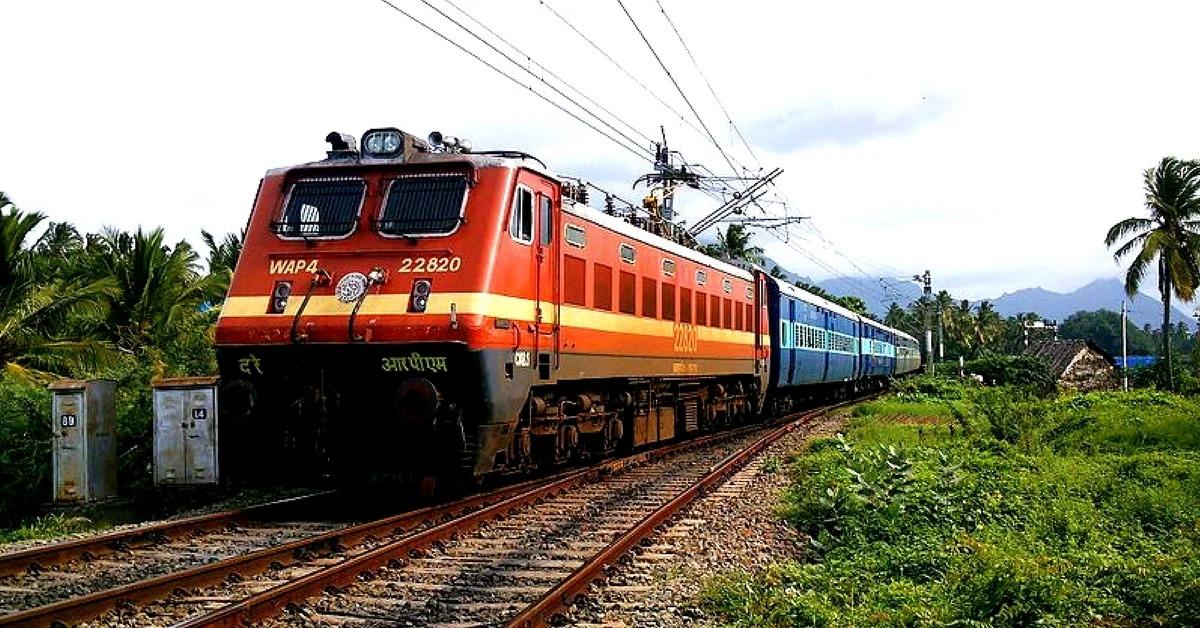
[(962, 319), (734, 244), (1169, 238), (989, 325), (159, 288), (944, 304), (34, 310), (222, 259)]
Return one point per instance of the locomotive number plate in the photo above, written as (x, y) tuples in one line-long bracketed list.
[(430, 265)]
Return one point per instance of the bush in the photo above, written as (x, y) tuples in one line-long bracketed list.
[(24, 449), (1014, 370), (1092, 518)]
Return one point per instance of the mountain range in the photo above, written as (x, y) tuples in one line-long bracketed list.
[(1100, 294)]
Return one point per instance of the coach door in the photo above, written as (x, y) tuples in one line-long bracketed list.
[(547, 278)]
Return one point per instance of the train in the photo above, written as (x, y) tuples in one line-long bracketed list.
[(415, 309)]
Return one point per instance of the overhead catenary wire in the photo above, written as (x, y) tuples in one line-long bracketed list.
[(534, 75), (707, 83), (722, 182), (620, 67), (679, 89), (635, 151), (550, 72)]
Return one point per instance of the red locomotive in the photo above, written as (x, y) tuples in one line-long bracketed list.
[(417, 309)]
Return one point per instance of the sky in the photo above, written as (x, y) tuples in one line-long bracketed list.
[(992, 144)]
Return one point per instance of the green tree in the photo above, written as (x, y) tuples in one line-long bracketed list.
[(735, 243), (1103, 327), (989, 325), (1169, 239), (159, 288), (853, 303), (898, 318), (222, 260), (34, 310)]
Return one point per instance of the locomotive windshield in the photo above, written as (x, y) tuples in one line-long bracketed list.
[(423, 205), (321, 208)]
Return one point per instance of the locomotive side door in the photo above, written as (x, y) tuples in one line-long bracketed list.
[(547, 277)]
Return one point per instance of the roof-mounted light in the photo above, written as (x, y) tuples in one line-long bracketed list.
[(448, 143), (387, 142), (341, 142)]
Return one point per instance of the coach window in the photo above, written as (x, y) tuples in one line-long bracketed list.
[(628, 253), (727, 286), (546, 218), (520, 225), (701, 277), (668, 267), (576, 236)]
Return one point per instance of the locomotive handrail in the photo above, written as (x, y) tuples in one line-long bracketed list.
[(320, 277)]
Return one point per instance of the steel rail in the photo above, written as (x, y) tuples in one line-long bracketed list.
[(563, 595), (271, 602), (112, 542), (89, 606)]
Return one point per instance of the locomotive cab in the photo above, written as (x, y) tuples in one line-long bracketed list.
[(372, 327)]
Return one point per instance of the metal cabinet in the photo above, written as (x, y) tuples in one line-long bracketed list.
[(84, 418), (185, 431)]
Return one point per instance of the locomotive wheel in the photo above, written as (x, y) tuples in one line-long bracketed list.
[(567, 445), (614, 431)]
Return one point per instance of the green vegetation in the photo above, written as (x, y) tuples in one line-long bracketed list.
[(963, 329), (949, 504), (47, 527), (1103, 327), (125, 306), (1168, 241)]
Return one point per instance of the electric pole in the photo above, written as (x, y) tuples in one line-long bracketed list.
[(1124, 348), (927, 297)]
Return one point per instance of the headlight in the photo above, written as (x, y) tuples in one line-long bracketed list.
[(279, 297), (419, 299), (382, 142)]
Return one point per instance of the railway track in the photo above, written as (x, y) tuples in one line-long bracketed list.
[(48, 573), (519, 554)]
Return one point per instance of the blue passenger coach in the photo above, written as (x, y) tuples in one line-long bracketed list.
[(817, 344)]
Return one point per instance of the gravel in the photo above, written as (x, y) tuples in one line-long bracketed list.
[(733, 528)]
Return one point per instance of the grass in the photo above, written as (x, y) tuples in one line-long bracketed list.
[(46, 527), (995, 508)]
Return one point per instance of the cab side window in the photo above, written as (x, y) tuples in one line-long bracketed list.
[(520, 225), (546, 219)]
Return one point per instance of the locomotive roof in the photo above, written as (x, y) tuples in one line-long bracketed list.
[(474, 159), (641, 235)]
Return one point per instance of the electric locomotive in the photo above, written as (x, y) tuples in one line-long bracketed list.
[(415, 308)]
